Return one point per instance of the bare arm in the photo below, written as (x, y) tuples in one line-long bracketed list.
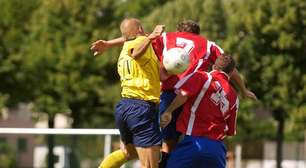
[(176, 103), (245, 92), (141, 48), (98, 47), (164, 75)]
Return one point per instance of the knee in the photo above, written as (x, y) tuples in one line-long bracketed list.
[(130, 154)]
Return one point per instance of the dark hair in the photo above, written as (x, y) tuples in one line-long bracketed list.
[(188, 26), (225, 63)]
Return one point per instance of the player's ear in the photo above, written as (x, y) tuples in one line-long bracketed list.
[(214, 67), (140, 30), (231, 73)]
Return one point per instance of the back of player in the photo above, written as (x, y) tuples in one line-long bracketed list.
[(209, 114), (202, 53)]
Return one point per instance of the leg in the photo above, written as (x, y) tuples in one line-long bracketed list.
[(169, 133), (212, 153), (117, 158), (143, 123), (184, 155), (128, 151), (149, 156)]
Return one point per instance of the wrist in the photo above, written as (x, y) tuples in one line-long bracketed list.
[(151, 37)]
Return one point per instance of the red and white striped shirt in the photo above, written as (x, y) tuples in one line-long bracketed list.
[(202, 53), (212, 105)]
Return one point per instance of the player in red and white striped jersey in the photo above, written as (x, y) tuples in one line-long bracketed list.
[(209, 114), (202, 54)]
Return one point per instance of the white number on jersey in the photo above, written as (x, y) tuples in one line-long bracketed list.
[(186, 44), (219, 98)]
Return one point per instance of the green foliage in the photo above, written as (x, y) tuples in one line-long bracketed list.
[(7, 156), (64, 75), (13, 30), (269, 41), (45, 57)]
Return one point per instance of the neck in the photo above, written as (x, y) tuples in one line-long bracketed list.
[(221, 72)]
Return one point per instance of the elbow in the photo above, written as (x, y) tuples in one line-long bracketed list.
[(135, 55)]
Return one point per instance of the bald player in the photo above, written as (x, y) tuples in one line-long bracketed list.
[(136, 113)]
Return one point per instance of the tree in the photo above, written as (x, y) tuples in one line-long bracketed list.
[(13, 30), (268, 38), (64, 75)]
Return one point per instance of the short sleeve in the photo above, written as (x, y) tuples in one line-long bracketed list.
[(215, 51), (158, 47), (191, 84), (232, 120)]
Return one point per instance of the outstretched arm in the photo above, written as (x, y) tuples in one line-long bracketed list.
[(98, 47), (245, 92)]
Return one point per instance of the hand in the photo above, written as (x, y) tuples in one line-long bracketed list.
[(158, 30), (165, 119), (99, 47), (249, 94)]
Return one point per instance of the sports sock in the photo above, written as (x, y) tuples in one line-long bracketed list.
[(114, 160)]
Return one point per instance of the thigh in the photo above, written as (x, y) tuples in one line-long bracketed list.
[(143, 124), (213, 153), (149, 156), (129, 150), (122, 109), (184, 155)]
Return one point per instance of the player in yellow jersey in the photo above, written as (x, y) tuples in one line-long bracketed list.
[(137, 112)]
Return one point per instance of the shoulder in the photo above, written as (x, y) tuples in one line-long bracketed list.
[(202, 75)]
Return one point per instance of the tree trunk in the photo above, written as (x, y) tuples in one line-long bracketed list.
[(279, 115), (279, 142), (50, 139)]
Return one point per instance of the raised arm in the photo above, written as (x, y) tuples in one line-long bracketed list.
[(141, 48), (244, 91), (98, 47)]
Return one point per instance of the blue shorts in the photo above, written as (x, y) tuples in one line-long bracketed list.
[(137, 121), (169, 132), (199, 152)]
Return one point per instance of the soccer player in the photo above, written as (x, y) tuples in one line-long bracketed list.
[(136, 113), (210, 106), (203, 54)]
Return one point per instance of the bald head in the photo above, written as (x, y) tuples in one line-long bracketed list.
[(131, 28)]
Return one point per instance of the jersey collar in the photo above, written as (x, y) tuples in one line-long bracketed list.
[(225, 75)]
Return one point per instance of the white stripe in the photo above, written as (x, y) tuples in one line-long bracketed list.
[(197, 103), (165, 43), (182, 81), (208, 45), (219, 48), (60, 131), (236, 104), (200, 62)]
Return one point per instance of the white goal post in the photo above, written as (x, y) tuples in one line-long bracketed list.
[(66, 131)]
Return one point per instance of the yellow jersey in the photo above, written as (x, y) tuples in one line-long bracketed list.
[(139, 77)]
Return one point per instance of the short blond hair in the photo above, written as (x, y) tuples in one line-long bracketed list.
[(129, 27)]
